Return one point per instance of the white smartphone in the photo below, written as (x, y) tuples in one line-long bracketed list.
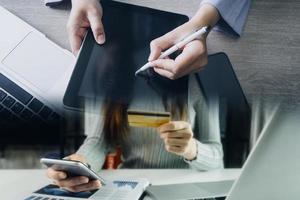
[(72, 168)]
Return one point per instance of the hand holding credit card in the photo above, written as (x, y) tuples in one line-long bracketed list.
[(147, 119)]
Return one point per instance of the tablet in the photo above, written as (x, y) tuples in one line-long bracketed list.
[(129, 30)]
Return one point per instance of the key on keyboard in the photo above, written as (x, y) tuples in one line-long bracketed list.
[(17, 108), (45, 112), (26, 114), (35, 105), (8, 101), (2, 95)]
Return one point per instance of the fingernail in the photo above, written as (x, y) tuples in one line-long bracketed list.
[(100, 39)]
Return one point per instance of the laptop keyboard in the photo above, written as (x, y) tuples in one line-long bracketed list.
[(16, 104)]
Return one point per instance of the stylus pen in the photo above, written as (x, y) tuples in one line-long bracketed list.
[(196, 35)]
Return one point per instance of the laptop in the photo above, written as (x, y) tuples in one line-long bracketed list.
[(34, 72), (272, 168), (270, 172)]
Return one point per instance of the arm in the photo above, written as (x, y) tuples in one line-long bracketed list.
[(200, 146), (230, 15), (209, 154), (92, 151), (94, 148), (233, 14)]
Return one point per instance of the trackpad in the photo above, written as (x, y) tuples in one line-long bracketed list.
[(37, 61)]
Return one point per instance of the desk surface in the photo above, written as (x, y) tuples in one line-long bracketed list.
[(266, 58), (18, 184)]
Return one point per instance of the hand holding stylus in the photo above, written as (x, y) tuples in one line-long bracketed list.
[(197, 35), (192, 58), (194, 54)]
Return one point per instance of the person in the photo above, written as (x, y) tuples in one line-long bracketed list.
[(190, 140), (229, 15)]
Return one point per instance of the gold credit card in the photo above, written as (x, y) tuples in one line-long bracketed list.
[(147, 119)]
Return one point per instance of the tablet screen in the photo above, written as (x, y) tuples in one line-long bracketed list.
[(108, 70)]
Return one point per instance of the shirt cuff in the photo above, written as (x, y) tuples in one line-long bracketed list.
[(206, 158), (233, 14)]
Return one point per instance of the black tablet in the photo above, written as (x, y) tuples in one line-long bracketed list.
[(129, 30)]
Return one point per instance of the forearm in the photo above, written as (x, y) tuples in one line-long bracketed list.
[(94, 151)]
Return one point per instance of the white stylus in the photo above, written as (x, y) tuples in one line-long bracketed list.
[(196, 35)]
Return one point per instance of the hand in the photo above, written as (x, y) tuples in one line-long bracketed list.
[(194, 55), (178, 139), (73, 184), (192, 58), (85, 14)]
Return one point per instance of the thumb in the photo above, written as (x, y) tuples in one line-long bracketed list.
[(160, 44), (97, 27)]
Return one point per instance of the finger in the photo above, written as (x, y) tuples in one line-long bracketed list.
[(174, 149), (167, 68), (173, 126), (76, 157), (185, 62), (164, 73), (76, 35), (176, 142), (92, 185), (166, 64), (192, 54), (72, 181), (75, 42), (199, 64), (56, 175), (97, 27), (184, 133), (160, 44)]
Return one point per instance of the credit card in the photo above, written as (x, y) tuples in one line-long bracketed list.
[(147, 119)]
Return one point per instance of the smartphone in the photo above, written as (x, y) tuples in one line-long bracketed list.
[(72, 168)]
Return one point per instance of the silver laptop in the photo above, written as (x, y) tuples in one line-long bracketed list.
[(272, 170), (34, 72)]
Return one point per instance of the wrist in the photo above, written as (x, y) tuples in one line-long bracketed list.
[(207, 15), (191, 153)]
